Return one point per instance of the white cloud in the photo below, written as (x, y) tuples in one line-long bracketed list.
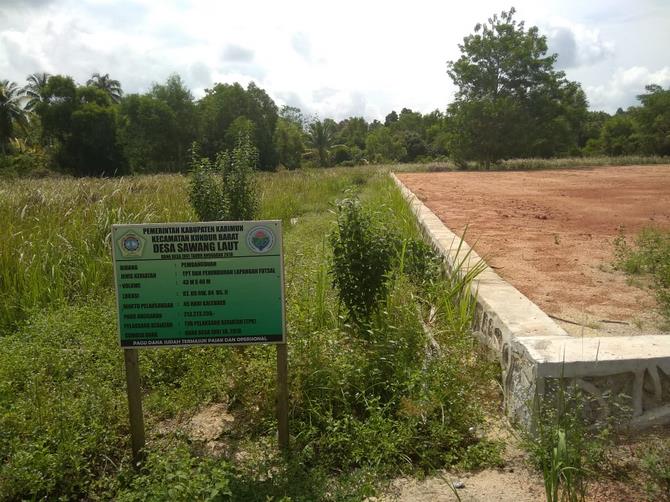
[(301, 44), (238, 54), (623, 87), (578, 45)]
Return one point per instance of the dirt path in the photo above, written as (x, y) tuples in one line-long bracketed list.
[(550, 234)]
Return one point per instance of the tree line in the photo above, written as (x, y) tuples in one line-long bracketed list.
[(511, 103)]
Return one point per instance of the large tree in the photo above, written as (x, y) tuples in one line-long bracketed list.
[(80, 124), (149, 134), (222, 105), (653, 118), (178, 97), (289, 143), (320, 138), (35, 90), (109, 85), (510, 100), (11, 111)]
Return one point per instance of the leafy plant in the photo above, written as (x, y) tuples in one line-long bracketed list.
[(225, 190), (650, 254), (363, 254), (176, 474), (564, 446), (656, 464)]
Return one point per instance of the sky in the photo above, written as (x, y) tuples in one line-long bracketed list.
[(330, 59)]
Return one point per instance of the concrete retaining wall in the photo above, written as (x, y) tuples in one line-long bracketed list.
[(626, 377)]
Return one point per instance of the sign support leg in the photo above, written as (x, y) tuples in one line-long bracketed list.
[(282, 395), (134, 403)]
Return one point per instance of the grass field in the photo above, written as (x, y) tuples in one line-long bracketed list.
[(365, 404)]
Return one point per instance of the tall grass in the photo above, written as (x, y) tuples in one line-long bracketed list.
[(57, 235)]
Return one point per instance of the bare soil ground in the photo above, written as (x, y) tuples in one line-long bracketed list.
[(550, 234)]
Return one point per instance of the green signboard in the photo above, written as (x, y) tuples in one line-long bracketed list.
[(208, 283)]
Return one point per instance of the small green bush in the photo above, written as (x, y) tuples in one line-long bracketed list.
[(650, 254), (565, 446), (656, 464), (363, 255), (226, 189), (176, 474)]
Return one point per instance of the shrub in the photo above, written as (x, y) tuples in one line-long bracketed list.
[(650, 254), (225, 189), (656, 464), (363, 253), (565, 446), (178, 475)]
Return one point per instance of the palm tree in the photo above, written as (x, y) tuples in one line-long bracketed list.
[(320, 137), (11, 111), (34, 91), (107, 84)]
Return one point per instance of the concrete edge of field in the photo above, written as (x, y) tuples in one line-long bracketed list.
[(623, 377)]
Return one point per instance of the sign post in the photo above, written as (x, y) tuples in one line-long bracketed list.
[(282, 396), (209, 283), (134, 403)]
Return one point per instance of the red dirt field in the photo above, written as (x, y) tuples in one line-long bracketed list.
[(550, 234)]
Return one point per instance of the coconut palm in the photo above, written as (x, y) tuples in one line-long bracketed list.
[(34, 91), (107, 84), (320, 137), (11, 111)]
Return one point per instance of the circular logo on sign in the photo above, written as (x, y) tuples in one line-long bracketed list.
[(260, 239), (131, 243)]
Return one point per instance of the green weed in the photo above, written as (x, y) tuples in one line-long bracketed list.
[(648, 255), (226, 189), (656, 464), (565, 446)]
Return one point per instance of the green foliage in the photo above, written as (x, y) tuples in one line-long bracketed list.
[(60, 249), (320, 138), (62, 408), (24, 160), (240, 127), (619, 136), (179, 99), (511, 102), (384, 146), (148, 133), (223, 104), (12, 113), (108, 85), (289, 143), (34, 90), (226, 190), (352, 132), (92, 148), (565, 447), (363, 253), (83, 125), (656, 465), (653, 118), (178, 475), (649, 254)]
